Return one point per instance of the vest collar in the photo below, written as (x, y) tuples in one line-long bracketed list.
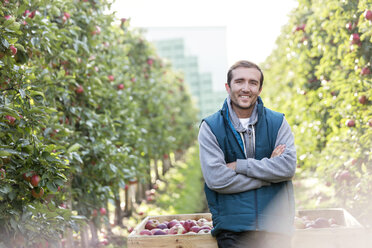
[(231, 116)]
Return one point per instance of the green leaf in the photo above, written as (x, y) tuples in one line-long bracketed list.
[(75, 147), (6, 189), (51, 186), (4, 152), (5, 43)]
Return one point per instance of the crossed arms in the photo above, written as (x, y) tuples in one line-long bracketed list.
[(246, 174)]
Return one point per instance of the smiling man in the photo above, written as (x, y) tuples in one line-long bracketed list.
[(248, 159)]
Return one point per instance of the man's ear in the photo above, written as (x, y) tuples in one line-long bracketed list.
[(227, 87), (260, 91)]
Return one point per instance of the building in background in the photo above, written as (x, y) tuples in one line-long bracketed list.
[(200, 53)]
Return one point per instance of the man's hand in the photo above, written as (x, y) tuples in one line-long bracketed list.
[(231, 165), (278, 150)]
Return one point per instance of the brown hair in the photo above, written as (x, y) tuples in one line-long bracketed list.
[(246, 64)]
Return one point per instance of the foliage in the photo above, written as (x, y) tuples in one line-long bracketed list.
[(182, 192), (85, 104), (321, 68)]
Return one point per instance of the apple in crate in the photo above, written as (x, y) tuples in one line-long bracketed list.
[(172, 223), (188, 224), (159, 232), (177, 229), (162, 226), (151, 224), (201, 221), (195, 229), (204, 231), (145, 232)]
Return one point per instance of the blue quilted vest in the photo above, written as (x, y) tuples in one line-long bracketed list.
[(269, 208)]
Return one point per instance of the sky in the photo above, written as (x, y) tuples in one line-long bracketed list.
[(252, 26)]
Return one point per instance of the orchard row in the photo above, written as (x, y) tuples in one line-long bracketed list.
[(322, 69), (86, 107)]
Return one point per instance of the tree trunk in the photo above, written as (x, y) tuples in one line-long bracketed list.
[(93, 231), (69, 237), (118, 211), (84, 237), (156, 169)]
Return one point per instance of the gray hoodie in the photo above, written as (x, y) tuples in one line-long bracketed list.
[(250, 173)]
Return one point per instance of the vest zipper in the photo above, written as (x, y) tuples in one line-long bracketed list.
[(251, 135), (245, 149)]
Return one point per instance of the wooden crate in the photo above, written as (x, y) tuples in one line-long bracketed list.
[(351, 235), (172, 241)]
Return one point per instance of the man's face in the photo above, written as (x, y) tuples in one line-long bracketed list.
[(244, 89)]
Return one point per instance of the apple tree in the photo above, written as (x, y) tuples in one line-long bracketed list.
[(321, 68)]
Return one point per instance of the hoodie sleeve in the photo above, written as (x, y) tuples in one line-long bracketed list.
[(277, 169), (217, 175)]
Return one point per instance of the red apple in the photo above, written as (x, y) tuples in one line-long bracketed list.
[(159, 232), (145, 232), (35, 179), (188, 224), (151, 224), (206, 227), (150, 198), (354, 38), (299, 223), (2, 173), (79, 90), (365, 71), (195, 229), (97, 30), (321, 223), (201, 221), (204, 231), (120, 86), (368, 14), (172, 223), (177, 229), (332, 221), (349, 26), (363, 99), (11, 119), (102, 211), (67, 15), (343, 175), (26, 12), (37, 193), (111, 78), (350, 123), (32, 14), (162, 226), (150, 61), (27, 178), (13, 49), (130, 229)]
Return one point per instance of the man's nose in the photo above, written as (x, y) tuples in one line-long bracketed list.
[(245, 86)]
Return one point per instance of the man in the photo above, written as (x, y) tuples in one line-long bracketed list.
[(248, 159)]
